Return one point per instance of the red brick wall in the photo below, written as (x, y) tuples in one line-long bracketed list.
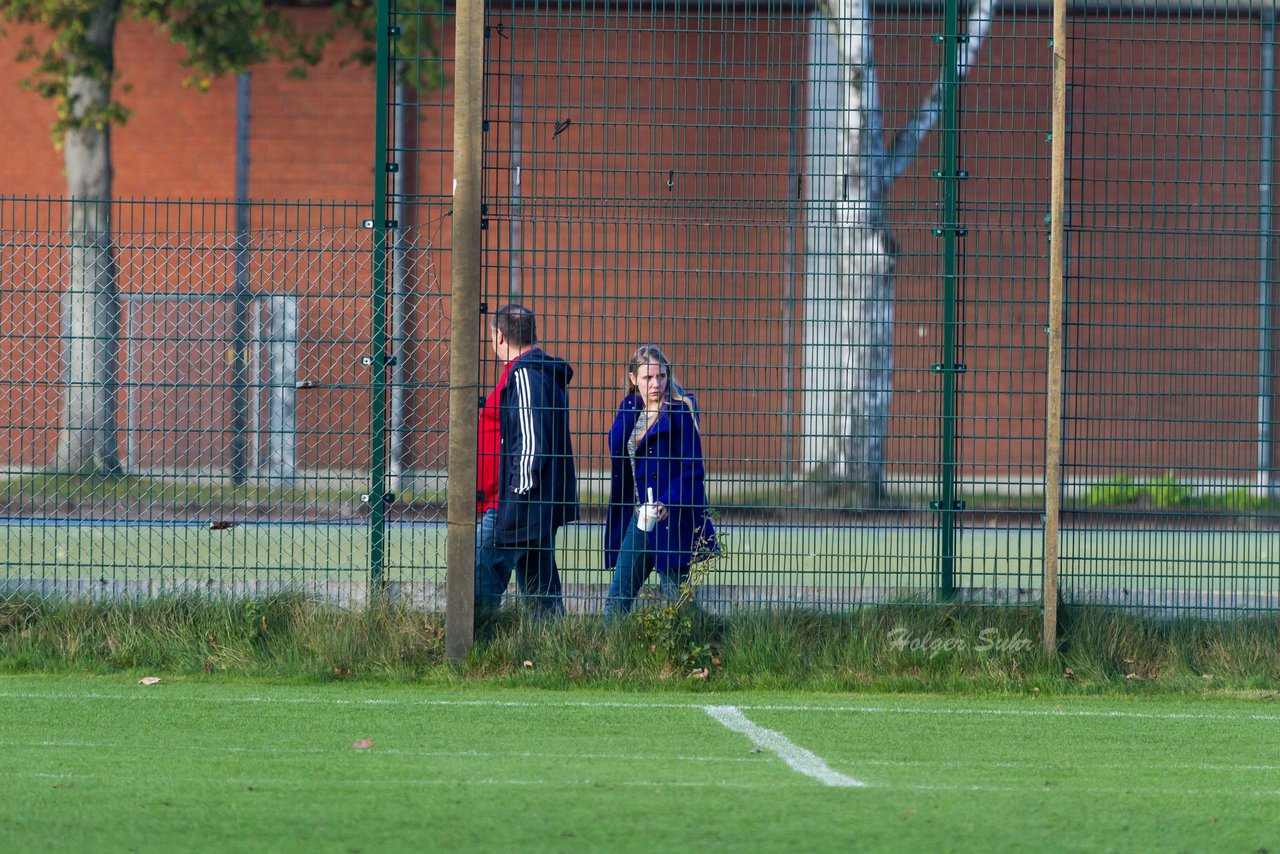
[(613, 256)]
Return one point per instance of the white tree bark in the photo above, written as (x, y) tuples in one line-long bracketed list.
[(850, 253), (91, 305), (849, 284)]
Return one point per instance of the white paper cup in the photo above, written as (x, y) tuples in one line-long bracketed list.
[(647, 517)]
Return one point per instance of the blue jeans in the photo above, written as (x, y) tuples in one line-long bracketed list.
[(635, 562), (537, 577)]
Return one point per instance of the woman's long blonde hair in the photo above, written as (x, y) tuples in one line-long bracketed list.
[(645, 354)]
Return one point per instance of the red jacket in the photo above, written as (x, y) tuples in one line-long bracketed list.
[(489, 449)]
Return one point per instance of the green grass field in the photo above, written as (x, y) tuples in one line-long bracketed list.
[(1244, 562), (230, 764)]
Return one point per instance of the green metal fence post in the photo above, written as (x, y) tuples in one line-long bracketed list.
[(376, 360), (950, 233)]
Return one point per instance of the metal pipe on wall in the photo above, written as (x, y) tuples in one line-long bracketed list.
[(399, 403), (517, 151), (1265, 294), (791, 261), (243, 300)]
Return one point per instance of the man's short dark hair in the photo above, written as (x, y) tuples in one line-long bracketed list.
[(516, 323)]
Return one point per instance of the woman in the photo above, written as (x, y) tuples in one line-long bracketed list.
[(656, 450)]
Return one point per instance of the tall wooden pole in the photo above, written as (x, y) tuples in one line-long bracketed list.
[(464, 336), (1057, 249)]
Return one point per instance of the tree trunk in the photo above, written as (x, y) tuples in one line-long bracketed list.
[(91, 305), (849, 251), (850, 265)]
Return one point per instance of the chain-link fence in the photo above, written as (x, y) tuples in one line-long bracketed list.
[(834, 220), (242, 400)]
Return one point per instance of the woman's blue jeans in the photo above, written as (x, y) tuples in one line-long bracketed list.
[(635, 562)]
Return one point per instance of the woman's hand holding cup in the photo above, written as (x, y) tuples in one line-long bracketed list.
[(650, 513)]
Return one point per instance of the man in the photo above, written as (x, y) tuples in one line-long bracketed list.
[(538, 488), (489, 588)]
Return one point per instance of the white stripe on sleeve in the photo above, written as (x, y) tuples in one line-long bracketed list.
[(528, 438)]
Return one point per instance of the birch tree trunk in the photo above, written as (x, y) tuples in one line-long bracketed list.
[(849, 284), (850, 253), (91, 304)]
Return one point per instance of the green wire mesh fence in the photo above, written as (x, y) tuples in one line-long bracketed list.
[(1170, 353), (236, 453), (832, 217), (833, 222)]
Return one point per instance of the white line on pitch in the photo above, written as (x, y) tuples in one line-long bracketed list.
[(14, 744), (596, 783), (801, 760), (387, 782), (151, 694), (18, 744)]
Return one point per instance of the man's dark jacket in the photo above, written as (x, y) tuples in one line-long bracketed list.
[(539, 484)]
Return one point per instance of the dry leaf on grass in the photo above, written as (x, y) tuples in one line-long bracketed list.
[(148, 680), (528, 665)]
